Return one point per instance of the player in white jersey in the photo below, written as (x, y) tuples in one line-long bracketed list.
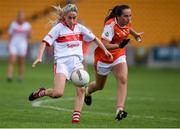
[(66, 36), (19, 32)]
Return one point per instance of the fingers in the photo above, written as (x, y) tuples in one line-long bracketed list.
[(138, 39), (109, 55), (141, 33), (35, 63), (124, 43)]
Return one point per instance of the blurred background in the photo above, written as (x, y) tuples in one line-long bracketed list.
[(158, 19)]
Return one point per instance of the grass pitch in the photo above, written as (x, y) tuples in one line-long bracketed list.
[(153, 101)]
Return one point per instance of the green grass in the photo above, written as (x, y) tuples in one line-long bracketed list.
[(153, 101)]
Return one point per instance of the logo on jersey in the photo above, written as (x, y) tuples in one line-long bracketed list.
[(72, 45), (107, 34)]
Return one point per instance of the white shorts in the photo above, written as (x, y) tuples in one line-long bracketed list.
[(67, 65), (105, 68), (18, 49)]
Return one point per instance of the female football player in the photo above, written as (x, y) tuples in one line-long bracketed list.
[(66, 36), (19, 32), (115, 38)]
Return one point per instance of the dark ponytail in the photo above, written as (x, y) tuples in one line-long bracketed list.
[(116, 11)]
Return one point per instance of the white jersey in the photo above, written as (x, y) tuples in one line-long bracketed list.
[(68, 42), (18, 43), (19, 32)]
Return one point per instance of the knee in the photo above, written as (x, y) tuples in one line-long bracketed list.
[(122, 80), (57, 94)]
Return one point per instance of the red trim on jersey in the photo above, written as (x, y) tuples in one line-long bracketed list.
[(20, 31), (50, 35), (47, 44), (69, 38)]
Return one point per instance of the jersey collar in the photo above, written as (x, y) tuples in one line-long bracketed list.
[(65, 24), (119, 25)]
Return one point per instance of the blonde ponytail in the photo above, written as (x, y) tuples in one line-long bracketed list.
[(61, 12)]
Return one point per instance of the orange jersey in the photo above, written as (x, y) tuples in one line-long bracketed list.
[(85, 48), (114, 34)]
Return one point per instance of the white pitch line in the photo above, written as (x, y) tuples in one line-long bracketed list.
[(40, 103)]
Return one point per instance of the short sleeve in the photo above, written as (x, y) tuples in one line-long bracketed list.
[(108, 32), (88, 36), (10, 30), (29, 26), (52, 35)]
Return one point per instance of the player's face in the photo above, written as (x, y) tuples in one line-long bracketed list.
[(125, 18), (70, 18), (20, 17)]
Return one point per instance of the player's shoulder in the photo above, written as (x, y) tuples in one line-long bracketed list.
[(111, 22), (13, 23), (79, 25), (59, 26), (26, 23)]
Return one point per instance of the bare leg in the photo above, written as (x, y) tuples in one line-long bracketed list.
[(59, 84), (94, 86), (56, 92), (98, 84), (21, 63), (121, 72), (79, 100), (11, 62)]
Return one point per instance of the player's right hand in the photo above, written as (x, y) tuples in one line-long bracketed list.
[(107, 53), (37, 61)]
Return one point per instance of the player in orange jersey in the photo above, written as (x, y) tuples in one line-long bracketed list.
[(115, 37)]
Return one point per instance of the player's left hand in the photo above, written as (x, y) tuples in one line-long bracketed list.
[(124, 43), (138, 36), (37, 61)]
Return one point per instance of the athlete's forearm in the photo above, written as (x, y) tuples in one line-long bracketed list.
[(100, 44), (136, 35), (133, 32), (110, 46), (41, 50)]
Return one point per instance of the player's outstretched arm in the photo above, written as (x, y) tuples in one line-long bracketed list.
[(40, 54), (101, 45), (136, 35)]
